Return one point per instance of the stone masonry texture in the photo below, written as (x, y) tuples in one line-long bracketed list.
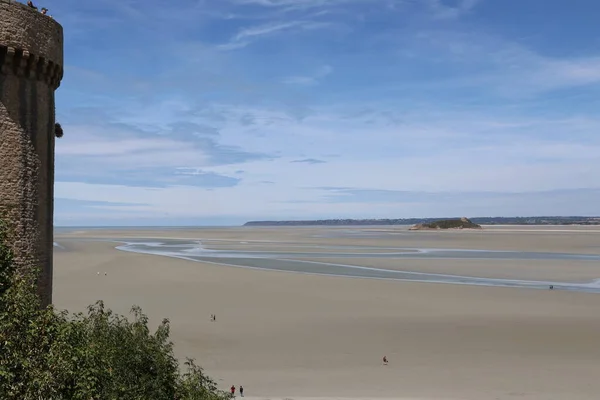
[(31, 68)]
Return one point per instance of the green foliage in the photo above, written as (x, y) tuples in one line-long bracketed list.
[(99, 355), (6, 261), (452, 224)]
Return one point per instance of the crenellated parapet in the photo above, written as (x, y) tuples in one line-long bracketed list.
[(31, 44), (22, 63)]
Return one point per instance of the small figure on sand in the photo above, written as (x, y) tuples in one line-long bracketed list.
[(551, 287), (233, 390), (385, 360), (213, 317), (241, 391)]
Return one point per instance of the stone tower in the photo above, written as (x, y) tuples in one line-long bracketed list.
[(31, 62)]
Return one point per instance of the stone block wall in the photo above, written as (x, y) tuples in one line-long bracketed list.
[(31, 68)]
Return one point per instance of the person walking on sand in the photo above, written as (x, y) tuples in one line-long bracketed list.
[(241, 391), (385, 360), (233, 390)]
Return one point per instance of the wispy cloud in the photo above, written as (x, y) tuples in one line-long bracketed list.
[(309, 161), (245, 36), (508, 68), (312, 79), (436, 9), (441, 10), (297, 5), (179, 152)]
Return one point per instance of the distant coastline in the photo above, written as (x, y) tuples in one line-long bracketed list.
[(550, 220)]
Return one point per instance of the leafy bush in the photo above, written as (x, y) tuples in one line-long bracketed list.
[(452, 224), (6, 261), (46, 354)]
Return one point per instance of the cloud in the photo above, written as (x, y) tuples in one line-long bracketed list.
[(207, 178), (295, 5), (176, 203), (67, 204), (300, 80), (129, 148), (440, 10), (435, 9), (287, 3), (180, 164), (372, 196), (438, 151), (96, 146), (309, 161), (178, 152), (313, 79), (505, 68), (245, 36)]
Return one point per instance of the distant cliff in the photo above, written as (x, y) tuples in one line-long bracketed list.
[(462, 223), (551, 220)]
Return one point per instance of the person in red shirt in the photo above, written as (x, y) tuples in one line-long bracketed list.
[(233, 390)]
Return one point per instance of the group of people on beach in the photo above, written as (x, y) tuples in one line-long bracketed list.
[(43, 11), (241, 390)]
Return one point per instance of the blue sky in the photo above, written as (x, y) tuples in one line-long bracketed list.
[(221, 111)]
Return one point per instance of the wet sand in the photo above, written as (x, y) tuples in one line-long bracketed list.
[(545, 270), (284, 335)]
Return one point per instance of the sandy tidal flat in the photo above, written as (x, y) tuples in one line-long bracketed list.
[(285, 335)]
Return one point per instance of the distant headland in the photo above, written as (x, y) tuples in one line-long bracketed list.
[(460, 223), (550, 220)]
